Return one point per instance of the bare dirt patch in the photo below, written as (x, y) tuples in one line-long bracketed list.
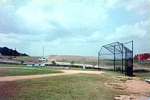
[(130, 97), (137, 89)]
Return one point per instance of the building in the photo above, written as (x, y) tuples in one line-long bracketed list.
[(143, 56), (42, 59)]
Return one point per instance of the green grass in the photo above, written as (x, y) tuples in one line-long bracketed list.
[(71, 87), (68, 87), (11, 65), (110, 62), (112, 73), (22, 70), (142, 75)]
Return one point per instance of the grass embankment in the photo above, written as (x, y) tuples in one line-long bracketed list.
[(27, 58), (142, 75), (17, 70), (69, 87), (11, 65)]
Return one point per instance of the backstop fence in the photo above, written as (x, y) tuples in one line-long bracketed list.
[(117, 56)]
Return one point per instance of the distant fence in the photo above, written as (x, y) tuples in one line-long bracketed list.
[(143, 62)]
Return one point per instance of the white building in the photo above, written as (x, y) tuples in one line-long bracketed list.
[(42, 59)]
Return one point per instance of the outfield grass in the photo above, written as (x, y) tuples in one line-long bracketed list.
[(69, 87), (112, 73), (143, 75), (16, 70), (11, 65)]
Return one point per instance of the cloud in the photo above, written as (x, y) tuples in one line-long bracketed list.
[(51, 19), (68, 14), (76, 25), (140, 7), (115, 3), (138, 32), (8, 39), (61, 19)]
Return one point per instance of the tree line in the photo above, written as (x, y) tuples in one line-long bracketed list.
[(10, 52)]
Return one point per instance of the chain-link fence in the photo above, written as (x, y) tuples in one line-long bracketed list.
[(117, 56)]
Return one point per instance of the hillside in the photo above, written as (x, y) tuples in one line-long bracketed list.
[(72, 58)]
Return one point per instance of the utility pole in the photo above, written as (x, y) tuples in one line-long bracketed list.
[(15, 52), (43, 51)]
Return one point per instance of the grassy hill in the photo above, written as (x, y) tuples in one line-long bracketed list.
[(76, 59)]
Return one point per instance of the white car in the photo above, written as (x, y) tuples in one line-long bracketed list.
[(147, 80)]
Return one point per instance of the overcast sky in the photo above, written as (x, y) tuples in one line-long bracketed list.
[(73, 27)]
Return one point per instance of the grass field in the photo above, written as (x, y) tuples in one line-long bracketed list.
[(11, 65), (16, 70), (70, 87), (66, 87), (143, 75)]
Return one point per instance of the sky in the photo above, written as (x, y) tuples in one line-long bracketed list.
[(73, 27)]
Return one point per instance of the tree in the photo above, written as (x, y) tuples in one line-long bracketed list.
[(9, 52), (72, 62)]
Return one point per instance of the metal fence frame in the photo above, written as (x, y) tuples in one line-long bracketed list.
[(126, 54)]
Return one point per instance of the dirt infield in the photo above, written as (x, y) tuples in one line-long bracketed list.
[(65, 72)]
